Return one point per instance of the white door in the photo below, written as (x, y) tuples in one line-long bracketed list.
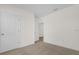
[(9, 34)]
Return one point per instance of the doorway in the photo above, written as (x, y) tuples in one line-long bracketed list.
[(41, 31)]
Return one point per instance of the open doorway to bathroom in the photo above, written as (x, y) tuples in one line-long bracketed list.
[(39, 30)]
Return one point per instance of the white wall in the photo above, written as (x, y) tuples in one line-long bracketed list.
[(62, 28), (27, 20)]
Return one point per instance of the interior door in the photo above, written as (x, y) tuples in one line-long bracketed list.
[(0, 31), (10, 32)]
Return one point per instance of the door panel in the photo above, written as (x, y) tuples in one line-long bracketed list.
[(10, 31), (0, 31)]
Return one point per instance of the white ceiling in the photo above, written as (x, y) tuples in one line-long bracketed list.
[(41, 10)]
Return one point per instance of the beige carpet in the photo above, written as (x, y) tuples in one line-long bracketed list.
[(41, 48)]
